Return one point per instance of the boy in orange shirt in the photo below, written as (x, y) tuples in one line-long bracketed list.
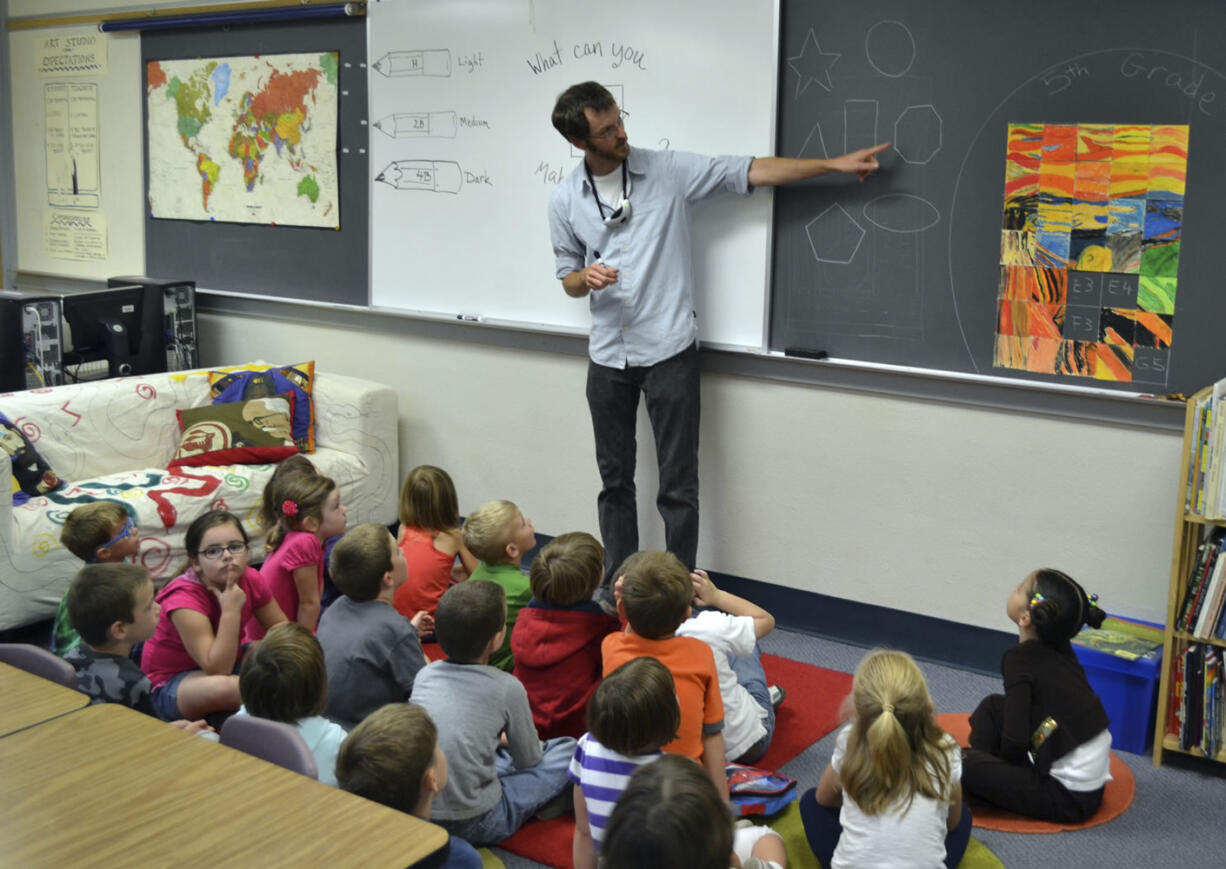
[(653, 596)]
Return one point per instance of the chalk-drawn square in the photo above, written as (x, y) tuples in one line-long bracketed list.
[(1016, 247), (1092, 181), (1125, 250), (1120, 290), (1160, 261), (1151, 365), (1081, 323), (1043, 320), (1012, 318), (1059, 143), (1095, 142), (1088, 251), (1052, 249), (1085, 288)]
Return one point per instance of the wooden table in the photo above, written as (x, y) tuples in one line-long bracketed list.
[(110, 786), (26, 699)]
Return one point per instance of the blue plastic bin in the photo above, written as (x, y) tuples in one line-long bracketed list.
[(1129, 692)]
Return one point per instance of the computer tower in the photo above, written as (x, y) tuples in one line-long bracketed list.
[(31, 341), (169, 312)]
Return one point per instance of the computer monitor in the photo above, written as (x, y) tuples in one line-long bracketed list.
[(106, 325)]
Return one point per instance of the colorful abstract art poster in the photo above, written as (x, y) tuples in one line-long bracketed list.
[(244, 139), (1089, 253)]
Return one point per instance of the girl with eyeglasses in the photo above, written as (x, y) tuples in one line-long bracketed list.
[(193, 657)]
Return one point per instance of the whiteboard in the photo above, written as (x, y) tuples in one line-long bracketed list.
[(463, 154)]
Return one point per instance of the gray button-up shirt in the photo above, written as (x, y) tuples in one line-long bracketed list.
[(648, 315)]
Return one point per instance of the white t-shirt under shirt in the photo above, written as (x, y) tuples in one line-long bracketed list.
[(730, 635), (894, 839), (1087, 767)]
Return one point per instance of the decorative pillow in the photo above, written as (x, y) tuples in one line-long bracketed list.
[(238, 384), (31, 474), (236, 433)]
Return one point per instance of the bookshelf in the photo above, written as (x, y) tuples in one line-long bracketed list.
[(1192, 528)]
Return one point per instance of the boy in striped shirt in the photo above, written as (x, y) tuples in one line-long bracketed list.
[(632, 714)]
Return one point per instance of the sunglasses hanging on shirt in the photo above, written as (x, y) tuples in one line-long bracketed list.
[(621, 213)]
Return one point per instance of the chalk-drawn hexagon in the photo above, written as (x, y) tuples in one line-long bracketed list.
[(834, 235), (917, 134)]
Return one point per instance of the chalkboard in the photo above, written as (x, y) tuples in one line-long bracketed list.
[(906, 268), (322, 265), (463, 155)]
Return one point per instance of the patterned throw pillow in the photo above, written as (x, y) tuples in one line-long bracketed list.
[(236, 433), (237, 384), (31, 473)]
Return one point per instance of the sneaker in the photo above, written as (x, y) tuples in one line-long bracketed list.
[(776, 694)]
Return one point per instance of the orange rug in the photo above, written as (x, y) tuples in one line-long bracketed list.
[(1117, 796)]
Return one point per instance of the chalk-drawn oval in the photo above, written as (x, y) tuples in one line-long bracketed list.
[(901, 212)]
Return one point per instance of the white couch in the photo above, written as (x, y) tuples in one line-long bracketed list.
[(113, 438)]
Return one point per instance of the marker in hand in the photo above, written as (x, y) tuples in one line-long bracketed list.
[(600, 275)]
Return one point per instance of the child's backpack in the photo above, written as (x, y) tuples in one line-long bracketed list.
[(757, 791)]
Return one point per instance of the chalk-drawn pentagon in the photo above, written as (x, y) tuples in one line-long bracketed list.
[(834, 235), (901, 212), (890, 48), (917, 134)]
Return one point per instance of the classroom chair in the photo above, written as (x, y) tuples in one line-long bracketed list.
[(40, 662), (272, 741)]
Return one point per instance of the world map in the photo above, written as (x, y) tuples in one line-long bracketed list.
[(244, 139)]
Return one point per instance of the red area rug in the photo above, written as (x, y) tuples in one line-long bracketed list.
[(1117, 796), (809, 713)]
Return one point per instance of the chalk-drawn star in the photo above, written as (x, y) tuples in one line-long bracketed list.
[(812, 65)]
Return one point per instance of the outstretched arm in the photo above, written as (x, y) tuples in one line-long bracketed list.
[(773, 171)]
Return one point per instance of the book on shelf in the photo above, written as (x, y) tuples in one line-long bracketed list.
[(1194, 501), (1211, 603), (1209, 740), (1193, 697), (1206, 563), (1175, 708)]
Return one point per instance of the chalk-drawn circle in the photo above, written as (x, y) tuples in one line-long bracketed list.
[(890, 48), (901, 212)]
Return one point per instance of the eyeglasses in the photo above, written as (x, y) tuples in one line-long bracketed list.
[(215, 552), (129, 528), (611, 131)]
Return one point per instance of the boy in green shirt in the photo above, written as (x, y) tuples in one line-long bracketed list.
[(500, 535)]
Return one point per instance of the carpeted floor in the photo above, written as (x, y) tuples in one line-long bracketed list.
[(1158, 829)]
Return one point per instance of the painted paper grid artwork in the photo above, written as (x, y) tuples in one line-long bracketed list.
[(1089, 250)]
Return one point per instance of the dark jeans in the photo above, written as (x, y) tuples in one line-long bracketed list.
[(1019, 788), (671, 389), (822, 829)]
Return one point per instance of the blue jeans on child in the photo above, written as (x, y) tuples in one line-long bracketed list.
[(524, 791), (751, 676)]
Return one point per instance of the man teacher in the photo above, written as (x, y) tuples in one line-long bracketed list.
[(620, 229)]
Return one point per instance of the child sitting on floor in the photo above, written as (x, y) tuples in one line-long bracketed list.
[(499, 535), (732, 630), (430, 539), (192, 658), (491, 791), (283, 679), (653, 596), (1042, 748), (393, 758), (373, 653), (671, 815), (111, 607), (309, 512), (632, 714), (556, 639), (890, 795), (98, 533)]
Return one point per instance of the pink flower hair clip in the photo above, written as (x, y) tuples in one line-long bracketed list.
[(289, 508)]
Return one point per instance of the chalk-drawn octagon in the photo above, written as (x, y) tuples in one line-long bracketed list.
[(834, 235), (917, 134)]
